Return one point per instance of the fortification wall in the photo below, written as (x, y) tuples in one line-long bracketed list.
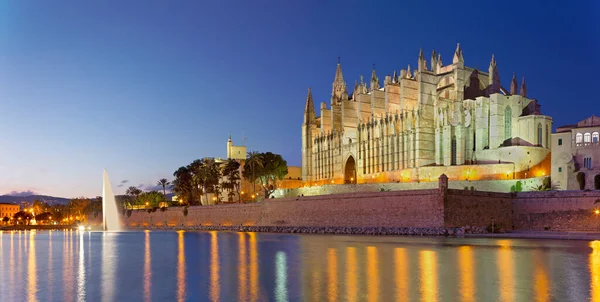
[(423, 208), (556, 210), (502, 186), (434, 207), (474, 208)]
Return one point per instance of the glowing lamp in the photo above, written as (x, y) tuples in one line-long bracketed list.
[(81, 228), (597, 212), (331, 181)]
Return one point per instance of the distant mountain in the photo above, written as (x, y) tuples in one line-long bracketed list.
[(32, 198)]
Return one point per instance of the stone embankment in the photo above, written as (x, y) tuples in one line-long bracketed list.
[(389, 231)]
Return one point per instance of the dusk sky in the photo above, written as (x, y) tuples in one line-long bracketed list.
[(143, 87)]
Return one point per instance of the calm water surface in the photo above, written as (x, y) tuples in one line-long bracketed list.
[(229, 266)]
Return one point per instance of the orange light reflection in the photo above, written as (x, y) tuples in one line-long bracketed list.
[(351, 274), (372, 274), (242, 268), (429, 282), (181, 267), (402, 283), (467, 280), (505, 266), (147, 269), (595, 271), (215, 288), (332, 275)]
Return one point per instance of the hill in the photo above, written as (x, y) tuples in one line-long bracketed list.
[(32, 198)]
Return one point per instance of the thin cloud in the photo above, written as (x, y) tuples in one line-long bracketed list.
[(124, 181)]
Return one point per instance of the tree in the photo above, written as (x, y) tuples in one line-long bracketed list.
[(164, 183), (133, 193), (78, 208), (183, 184), (207, 174), (274, 168), (22, 217), (151, 199), (5, 219), (254, 161), (231, 183)]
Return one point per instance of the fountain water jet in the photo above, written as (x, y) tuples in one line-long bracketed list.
[(110, 214)]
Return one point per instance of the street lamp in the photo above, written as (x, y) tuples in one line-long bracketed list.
[(597, 215)]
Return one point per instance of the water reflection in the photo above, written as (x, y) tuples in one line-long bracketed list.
[(506, 271), (372, 274), (429, 281), (147, 268), (81, 270), (215, 287), (109, 259), (401, 274), (31, 269), (467, 271), (181, 287), (228, 266), (595, 271), (332, 270), (242, 268), (351, 274), (254, 289), (281, 277)]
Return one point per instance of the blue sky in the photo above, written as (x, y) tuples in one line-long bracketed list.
[(143, 87)]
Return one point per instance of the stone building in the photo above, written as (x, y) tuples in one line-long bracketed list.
[(420, 123), (576, 155), (8, 209)]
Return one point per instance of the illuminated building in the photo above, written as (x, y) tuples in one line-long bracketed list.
[(576, 154), (449, 119)]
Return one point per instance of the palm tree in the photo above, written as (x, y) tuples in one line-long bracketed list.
[(208, 174), (164, 183), (134, 192), (232, 184), (254, 160)]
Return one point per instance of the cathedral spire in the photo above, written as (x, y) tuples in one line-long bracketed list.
[(338, 88), (433, 61), (408, 74), (493, 77), (374, 80), (458, 55), (523, 88), (422, 63), (309, 110), (395, 77), (513, 85)]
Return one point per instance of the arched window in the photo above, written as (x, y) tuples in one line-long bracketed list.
[(453, 154), (507, 123), (595, 137), (547, 137), (539, 137), (587, 138), (578, 138)]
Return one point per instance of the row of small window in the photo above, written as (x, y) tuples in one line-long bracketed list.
[(587, 138)]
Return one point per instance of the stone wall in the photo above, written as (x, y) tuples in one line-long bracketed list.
[(556, 210), (422, 208), (502, 186), (474, 208), (438, 206)]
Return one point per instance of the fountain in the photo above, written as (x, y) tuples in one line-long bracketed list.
[(110, 214)]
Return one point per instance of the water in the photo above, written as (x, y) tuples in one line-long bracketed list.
[(229, 266), (110, 214)]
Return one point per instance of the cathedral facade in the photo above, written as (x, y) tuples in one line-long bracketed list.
[(420, 123)]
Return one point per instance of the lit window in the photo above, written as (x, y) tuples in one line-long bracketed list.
[(587, 138), (578, 138), (595, 137), (560, 141), (587, 162)]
